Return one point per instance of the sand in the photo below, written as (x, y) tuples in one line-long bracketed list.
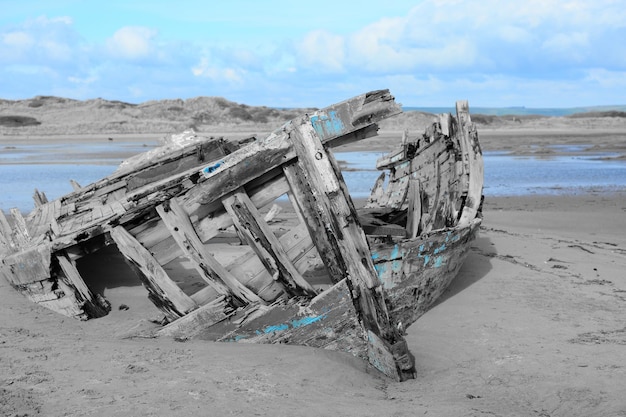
[(532, 326)]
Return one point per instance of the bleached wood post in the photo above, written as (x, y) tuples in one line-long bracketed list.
[(341, 242), (164, 292), (178, 223), (262, 240), (473, 161)]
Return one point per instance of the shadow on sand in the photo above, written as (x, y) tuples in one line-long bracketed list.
[(476, 266)]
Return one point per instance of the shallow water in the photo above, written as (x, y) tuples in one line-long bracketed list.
[(510, 175), (50, 167)]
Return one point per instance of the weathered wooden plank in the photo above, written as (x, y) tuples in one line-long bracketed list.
[(472, 156), (262, 240), (261, 194), (299, 246), (329, 321), (29, 265), (53, 215), (66, 210), (163, 291), (334, 122), (75, 185), (6, 235), (302, 193), (41, 222), (39, 198), (20, 230), (207, 219), (179, 225), (172, 159), (415, 272), (414, 211), (203, 317), (65, 302), (339, 216), (90, 304), (373, 225)]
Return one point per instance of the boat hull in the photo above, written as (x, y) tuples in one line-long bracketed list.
[(416, 272)]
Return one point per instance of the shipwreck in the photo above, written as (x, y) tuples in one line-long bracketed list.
[(383, 265)]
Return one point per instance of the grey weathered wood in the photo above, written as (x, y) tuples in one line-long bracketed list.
[(39, 198), (201, 318), (163, 291), (266, 245), (91, 304), (473, 158), (302, 194), (414, 211), (214, 273), (338, 215), (29, 265), (298, 245), (6, 235), (75, 185), (20, 230)]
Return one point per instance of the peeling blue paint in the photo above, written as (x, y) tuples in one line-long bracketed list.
[(328, 125), (212, 168), (426, 259), (275, 328), (306, 321), (380, 269), (396, 266), (394, 252), (439, 261), (294, 324), (375, 256), (440, 248)]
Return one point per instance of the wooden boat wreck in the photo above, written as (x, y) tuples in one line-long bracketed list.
[(383, 266)]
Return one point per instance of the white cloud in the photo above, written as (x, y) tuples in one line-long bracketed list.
[(19, 39), (567, 45), (216, 72), (132, 42), (614, 80), (322, 51), (41, 41)]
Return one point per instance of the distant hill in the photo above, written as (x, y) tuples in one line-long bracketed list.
[(48, 115), (525, 111), (56, 115)]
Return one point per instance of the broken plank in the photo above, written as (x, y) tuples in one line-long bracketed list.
[(178, 223), (6, 235), (75, 185), (414, 211), (91, 305), (339, 217), (29, 265), (472, 156), (20, 230), (203, 317), (163, 291), (39, 198), (262, 240)]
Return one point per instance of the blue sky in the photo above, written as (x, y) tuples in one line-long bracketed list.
[(496, 53)]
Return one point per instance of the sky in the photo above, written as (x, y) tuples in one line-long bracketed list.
[(279, 53)]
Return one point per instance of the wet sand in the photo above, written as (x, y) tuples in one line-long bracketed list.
[(532, 326)]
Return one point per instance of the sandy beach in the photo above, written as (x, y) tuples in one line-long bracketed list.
[(532, 326)]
